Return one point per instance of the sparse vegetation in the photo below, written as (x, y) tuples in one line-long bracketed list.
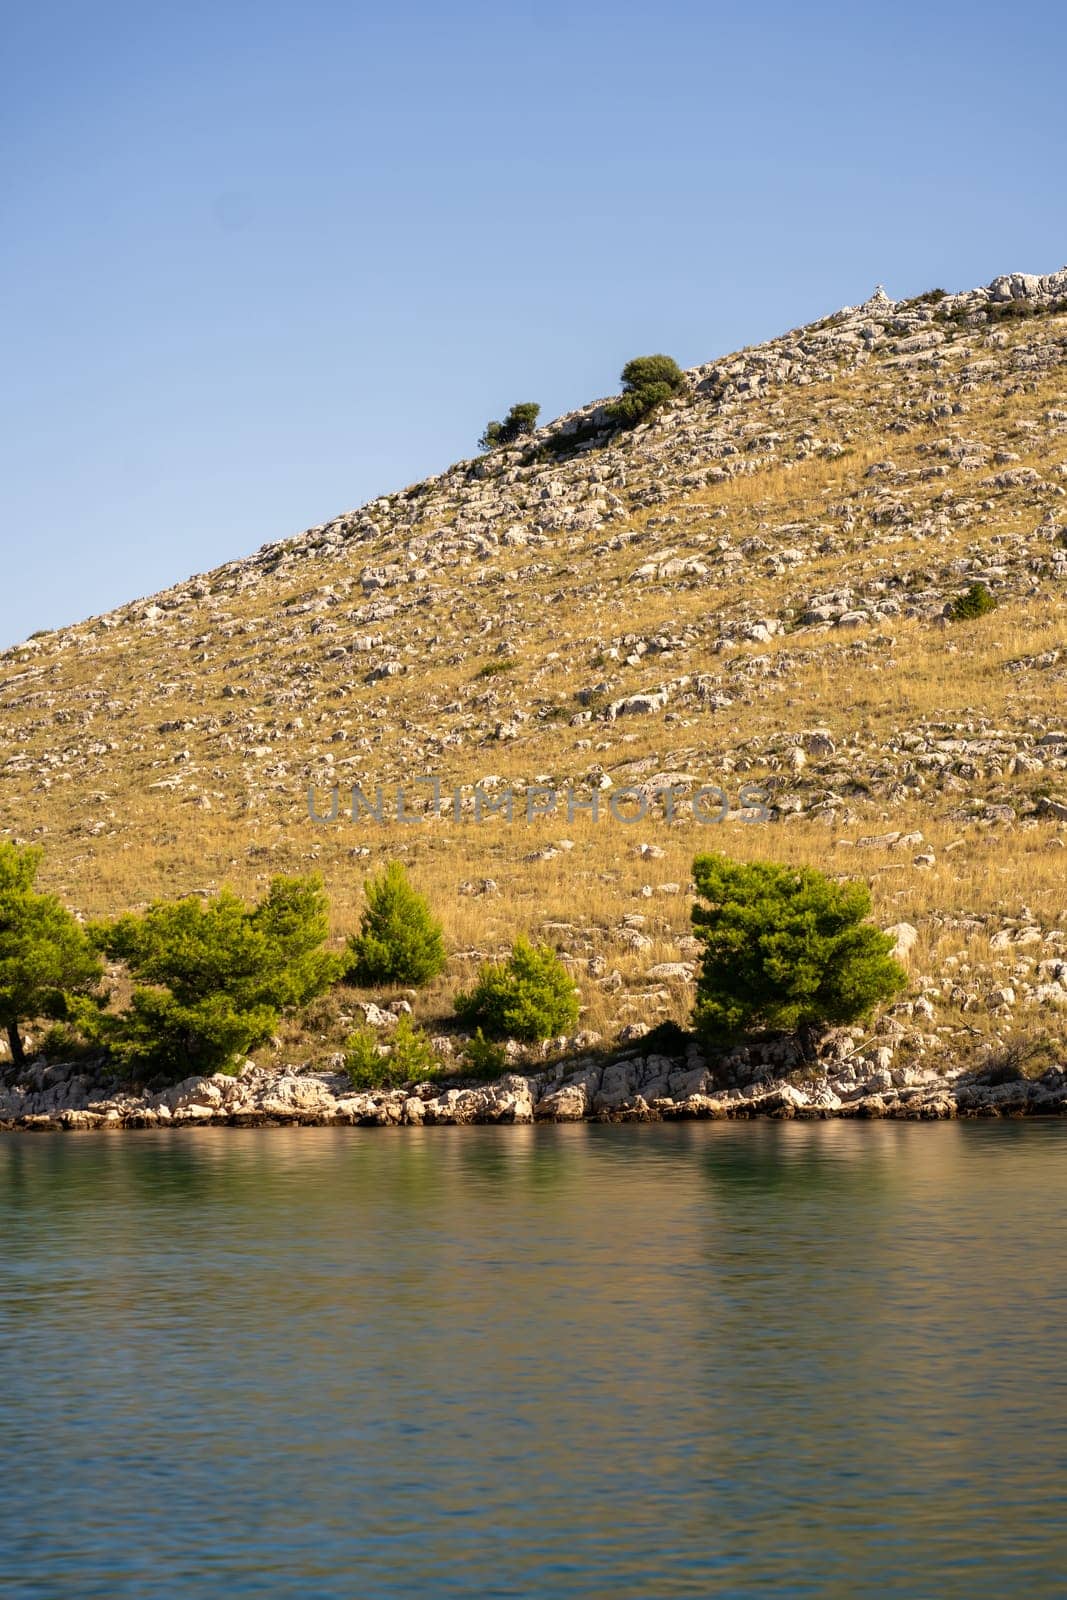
[(159, 758), (406, 1056)]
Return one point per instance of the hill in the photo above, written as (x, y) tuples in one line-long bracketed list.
[(749, 589)]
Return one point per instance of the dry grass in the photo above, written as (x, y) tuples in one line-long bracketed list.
[(267, 711)]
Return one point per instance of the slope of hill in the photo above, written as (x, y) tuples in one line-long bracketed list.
[(750, 589)]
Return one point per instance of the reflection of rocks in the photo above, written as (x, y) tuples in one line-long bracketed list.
[(626, 1087)]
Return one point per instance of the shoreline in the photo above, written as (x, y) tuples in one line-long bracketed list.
[(631, 1088)]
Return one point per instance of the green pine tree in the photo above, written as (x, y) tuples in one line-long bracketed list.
[(399, 940), (785, 948), (213, 977), (529, 996), (45, 957)]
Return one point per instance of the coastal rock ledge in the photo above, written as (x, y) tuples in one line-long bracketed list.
[(620, 1088)]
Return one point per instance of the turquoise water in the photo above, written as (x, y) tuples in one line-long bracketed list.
[(819, 1359)]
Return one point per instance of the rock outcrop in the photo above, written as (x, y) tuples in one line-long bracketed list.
[(623, 1087)]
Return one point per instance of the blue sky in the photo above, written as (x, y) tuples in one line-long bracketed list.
[(261, 262)]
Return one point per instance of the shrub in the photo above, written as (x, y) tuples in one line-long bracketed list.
[(631, 408), (975, 603), (647, 381), (45, 957), (484, 1058), (531, 995), (399, 941), (929, 297), (520, 420), (644, 371), (785, 948), (407, 1057), (215, 976)]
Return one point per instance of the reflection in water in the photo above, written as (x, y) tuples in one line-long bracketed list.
[(727, 1360)]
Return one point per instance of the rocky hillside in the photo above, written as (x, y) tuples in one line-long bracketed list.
[(750, 589)]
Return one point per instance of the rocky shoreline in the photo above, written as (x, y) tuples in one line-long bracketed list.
[(627, 1087)]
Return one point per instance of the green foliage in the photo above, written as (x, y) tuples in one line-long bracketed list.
[(1007, 310), (484, 1058), (785, 948), (407, 1058), (520, 420), (647, 381), (643, 371), (45, 957), (215, 976), (399, 941), (493, 669), (529, 996), (637, 404), (975, 603)]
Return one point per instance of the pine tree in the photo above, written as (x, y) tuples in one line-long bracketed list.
[(785, 948), (529, 996), (45, 957), (400, 940), (214, 977)]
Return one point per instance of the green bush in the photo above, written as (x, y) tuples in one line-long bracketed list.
[(785, 948), (529, 996), (520, 420), (975, 603), (46, 960), (647, 381), (215, 976), (399, 941), (407, 1057), (644, 371), (631, 408), (484, 1058)]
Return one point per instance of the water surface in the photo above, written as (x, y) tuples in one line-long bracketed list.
[(820, 1359)]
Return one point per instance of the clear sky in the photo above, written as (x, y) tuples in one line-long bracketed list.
[(260, 262)]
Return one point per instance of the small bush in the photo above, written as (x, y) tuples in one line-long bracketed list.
[(647, 381), (1001, 310), (977, 602), (407, 1057), (484, 1058), (493, 669), (929, 297), (400, 940), (529, 996), (520, 420), (785, 948), (1014, 1059)]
